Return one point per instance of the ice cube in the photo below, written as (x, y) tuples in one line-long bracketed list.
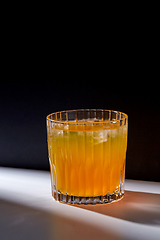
[(100, 136), (66, 126), (114, 132), (59, 133)]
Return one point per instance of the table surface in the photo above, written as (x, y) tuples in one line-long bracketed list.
[(28, 211)]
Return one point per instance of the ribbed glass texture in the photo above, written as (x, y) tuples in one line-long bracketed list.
[(87, 151)]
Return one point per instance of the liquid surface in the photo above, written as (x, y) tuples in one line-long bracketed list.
[(87, 161)]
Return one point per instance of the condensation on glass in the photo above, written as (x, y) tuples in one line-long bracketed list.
[(87, 154)]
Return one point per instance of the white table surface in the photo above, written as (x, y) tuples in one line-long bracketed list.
[(28, 211)]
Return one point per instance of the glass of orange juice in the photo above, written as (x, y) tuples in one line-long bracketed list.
[(87, 152)]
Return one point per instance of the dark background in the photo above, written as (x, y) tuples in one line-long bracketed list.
[(25, 103), (77, 61)]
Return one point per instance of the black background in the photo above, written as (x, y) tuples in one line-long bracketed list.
[(26, 101), (65, 62)]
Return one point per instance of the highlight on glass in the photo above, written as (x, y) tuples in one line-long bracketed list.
[(87, 155)]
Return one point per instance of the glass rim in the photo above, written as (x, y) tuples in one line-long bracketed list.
[(125, 116)]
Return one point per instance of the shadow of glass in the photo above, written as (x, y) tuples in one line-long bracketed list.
[(136, 207)]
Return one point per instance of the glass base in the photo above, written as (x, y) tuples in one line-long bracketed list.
[(108, 198)]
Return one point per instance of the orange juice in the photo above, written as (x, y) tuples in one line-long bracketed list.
[(87, 160)]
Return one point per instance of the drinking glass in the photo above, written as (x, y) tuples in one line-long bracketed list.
[(87, 152)]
